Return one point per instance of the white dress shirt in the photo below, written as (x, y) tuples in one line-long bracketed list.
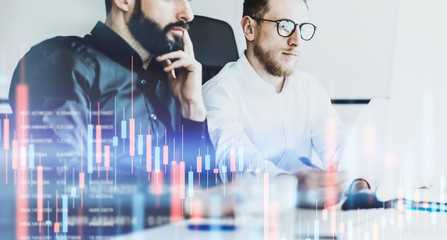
[(269, 131)]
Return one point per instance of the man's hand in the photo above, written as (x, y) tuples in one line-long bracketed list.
[(323, 188), (186, 85)]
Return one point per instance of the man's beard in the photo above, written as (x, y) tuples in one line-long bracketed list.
[(150, 34), (267, 59)]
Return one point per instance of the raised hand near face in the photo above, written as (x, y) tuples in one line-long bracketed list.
[(185, 79)]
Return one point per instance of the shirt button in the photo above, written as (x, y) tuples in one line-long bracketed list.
[(143, 82), (153, 116)]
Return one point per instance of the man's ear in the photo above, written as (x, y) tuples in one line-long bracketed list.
[(123, 5), (247, 24)]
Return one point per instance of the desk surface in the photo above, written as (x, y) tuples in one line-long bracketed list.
[(360, 224)]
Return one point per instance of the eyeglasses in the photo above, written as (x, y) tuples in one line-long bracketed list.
[(286, 28)]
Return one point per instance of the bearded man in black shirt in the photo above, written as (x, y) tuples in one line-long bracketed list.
[(133, 75), (143, 41)]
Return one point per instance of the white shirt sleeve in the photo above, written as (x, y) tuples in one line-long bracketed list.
[(327, 130), (227, 132)]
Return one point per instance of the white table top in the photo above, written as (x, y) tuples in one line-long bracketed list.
[(361, 224)]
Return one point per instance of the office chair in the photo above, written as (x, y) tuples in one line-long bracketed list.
[(214, 44)]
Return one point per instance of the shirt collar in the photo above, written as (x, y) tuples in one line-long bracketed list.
[(256, 81), (111, 44)]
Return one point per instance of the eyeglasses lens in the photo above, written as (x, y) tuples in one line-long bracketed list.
[(285, 28), (307, 31)]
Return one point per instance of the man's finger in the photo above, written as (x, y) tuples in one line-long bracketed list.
[(171, 74), (166, 63), (172, 55), (181, 63), (187, 44)]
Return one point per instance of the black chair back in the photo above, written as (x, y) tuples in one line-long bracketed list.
[(214, 44)]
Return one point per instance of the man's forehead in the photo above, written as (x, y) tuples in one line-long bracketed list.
[(295, 10)]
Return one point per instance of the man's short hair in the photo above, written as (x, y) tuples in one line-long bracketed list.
[(108, 6), (257, 8)]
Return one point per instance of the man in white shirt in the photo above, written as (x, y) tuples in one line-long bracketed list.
[(267, 114)]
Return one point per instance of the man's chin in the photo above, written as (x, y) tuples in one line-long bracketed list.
[(289, 68), (175, 40)]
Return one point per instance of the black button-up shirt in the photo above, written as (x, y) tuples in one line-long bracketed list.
[(70, 78)]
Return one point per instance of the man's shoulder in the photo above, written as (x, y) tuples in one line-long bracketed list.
[(62, 42), (68, 45), (51, 64), (226, 77), (61, 55)]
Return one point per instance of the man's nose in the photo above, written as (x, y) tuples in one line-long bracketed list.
[(295, 38), (184, 11)]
